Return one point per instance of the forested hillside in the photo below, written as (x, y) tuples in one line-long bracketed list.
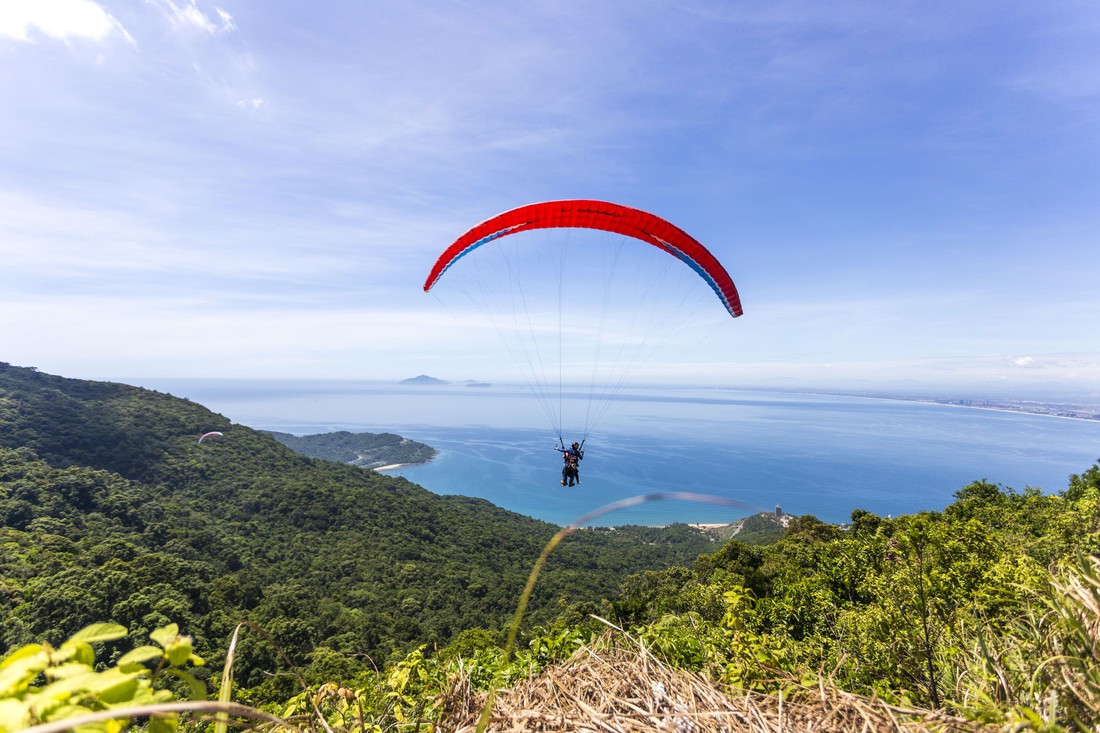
[(983, 617), (110, 509), (984, 614)]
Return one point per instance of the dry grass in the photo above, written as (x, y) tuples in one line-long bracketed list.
[(619, 686)]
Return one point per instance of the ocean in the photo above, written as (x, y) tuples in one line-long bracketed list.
[(824, 455)]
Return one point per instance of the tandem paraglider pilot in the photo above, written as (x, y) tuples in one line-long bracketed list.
[(571, 458)]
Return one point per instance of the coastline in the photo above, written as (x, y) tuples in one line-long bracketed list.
[(1042, 410), (1063, 410), (392, 466)]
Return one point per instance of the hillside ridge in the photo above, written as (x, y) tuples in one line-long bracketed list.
[(111, 509)]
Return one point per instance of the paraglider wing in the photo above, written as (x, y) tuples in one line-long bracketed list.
[(605, 216), (207, 435)]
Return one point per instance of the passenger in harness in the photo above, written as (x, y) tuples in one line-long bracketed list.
[(571, 458)]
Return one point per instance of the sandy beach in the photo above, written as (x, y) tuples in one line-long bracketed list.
[(393, 465)]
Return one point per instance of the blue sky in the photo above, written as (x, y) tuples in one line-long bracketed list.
[(904, 193)]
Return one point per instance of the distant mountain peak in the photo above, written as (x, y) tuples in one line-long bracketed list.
[(424, 379)]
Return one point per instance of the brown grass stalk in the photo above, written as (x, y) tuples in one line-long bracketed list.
[(615, 684)]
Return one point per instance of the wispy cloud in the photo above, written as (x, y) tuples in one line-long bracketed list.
[(62, 20), (187, 15)]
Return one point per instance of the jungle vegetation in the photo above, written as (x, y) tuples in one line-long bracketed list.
[(110, 510), (379, 602)]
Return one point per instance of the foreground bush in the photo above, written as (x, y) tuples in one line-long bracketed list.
[(40, 684)]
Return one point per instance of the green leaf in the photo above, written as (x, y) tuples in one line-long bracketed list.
[(141, 654), (79, 651), (15, 678), (158, 724), (66, 686), (112, 685), (62, 712), (120, 690), (198, 687), (165, 634), (21, 653), (1033, 717), (99, 632), (178, 650), (13, 715), (68, 669)]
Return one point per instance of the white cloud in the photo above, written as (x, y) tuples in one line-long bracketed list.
[(1025, 362), (226, 19), (188, 15), (59, 19)]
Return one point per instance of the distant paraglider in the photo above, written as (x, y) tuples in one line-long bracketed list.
[(204, 436)]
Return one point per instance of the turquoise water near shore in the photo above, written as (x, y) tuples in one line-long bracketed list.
[(812, 454)]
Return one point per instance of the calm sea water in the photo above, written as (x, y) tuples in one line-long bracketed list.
[(811, 454)]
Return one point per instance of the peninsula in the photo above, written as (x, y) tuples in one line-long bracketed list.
[(377, 451)]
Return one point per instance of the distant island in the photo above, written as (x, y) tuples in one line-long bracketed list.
[(424, 379), (367, 450)]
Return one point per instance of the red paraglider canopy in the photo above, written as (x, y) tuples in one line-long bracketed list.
[(605, 216)]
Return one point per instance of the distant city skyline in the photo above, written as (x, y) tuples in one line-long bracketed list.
[(904, 194)]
